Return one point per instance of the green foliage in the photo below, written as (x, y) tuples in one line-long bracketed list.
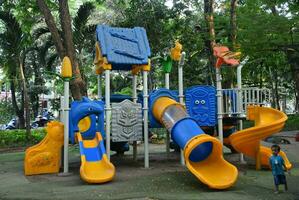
[(17, 138), (125, 91), (292, 123), (6, 107)]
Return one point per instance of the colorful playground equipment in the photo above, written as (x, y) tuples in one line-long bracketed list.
[(45, 157), (97, 124), (267, 122)]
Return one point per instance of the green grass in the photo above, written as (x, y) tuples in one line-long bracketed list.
[(17, 137)]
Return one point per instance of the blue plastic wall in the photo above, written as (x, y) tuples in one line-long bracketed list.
[(81, 109), (123, 47), (201, 104)]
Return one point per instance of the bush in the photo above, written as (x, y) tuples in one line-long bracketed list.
[(292, 123), (17, 137)]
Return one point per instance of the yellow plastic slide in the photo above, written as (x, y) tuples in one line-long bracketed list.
[(45, 157), (202, 153), (95, 166), (268, 121), (214, 171)]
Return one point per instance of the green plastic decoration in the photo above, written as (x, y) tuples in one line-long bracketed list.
[(167, 64)]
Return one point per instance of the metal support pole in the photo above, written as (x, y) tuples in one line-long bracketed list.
[(134, 97), (61, 117), (219, 105), (181, 93), (167, 80), (258, 157), (145, 122), (240, 99), (66, 127), (108, 111), (167, 134), (100, 96)]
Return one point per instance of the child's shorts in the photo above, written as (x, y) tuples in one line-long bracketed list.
[(280, 179)]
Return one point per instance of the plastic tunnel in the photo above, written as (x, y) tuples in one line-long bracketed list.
[(203, 153)]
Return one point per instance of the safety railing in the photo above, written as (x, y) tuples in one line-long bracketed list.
[(235, 101)]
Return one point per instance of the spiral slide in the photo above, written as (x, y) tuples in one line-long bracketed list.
[(267, 122), (203, 153), (95, 166)]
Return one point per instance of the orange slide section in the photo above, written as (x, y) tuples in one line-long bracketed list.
[(213, 170), (268, 121)]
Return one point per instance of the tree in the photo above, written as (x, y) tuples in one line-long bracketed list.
[(210, 39), (13, 46), (64, 42)]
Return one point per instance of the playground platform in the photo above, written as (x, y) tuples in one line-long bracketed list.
[(166, 178)]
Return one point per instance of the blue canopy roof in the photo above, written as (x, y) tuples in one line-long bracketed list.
[(123, 47)]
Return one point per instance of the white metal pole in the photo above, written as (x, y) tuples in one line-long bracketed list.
[(167, 133), (181, 92), (145, 118), (108, 111), (240, 98), (100, 96), (66, 127), (61, 117), (219, 104), (167, 80), (134, 97)]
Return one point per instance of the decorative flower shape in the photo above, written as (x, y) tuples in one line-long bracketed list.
[(223, 55)]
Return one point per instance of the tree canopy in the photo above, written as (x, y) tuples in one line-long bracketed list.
[(38, 33)]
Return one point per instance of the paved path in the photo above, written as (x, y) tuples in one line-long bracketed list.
[(166, 179)]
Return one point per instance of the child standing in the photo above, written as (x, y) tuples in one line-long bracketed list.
[(278, 167)]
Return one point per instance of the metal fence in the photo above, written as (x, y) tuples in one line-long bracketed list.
[(235, 101)]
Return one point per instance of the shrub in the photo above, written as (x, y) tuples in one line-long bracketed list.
[(292, 123), (17, 137)]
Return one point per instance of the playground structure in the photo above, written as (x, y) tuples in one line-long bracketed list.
[(128, 49)]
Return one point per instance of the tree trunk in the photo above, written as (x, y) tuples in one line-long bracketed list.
[(77, 85), (52, 27), (19, 112), (64, 44), (277, 105), (26, 101), (293, 57), (233, 23), (210, 40)]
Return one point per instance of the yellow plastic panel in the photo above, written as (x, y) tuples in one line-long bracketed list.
[(84, 124), (214, 171), (45, 157)]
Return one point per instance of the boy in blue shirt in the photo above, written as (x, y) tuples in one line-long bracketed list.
[(278, 167)]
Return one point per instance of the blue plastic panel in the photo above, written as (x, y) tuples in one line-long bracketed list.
[(81, 109), (93, 154), (123, 47), (201, 104)]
